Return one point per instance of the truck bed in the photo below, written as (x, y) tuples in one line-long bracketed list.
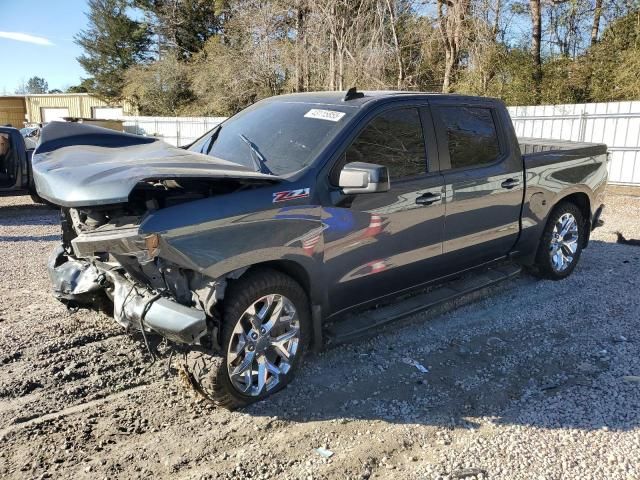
[(532, 146)]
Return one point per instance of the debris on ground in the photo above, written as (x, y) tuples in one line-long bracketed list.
[(324, 452), (414, 363)]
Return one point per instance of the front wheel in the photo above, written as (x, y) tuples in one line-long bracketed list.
[(265, 328), (35, 198), (561, 243)]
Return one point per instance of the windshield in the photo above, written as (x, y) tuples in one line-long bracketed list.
[(275, 137)]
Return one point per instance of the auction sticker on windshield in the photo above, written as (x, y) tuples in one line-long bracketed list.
[(330, 115)]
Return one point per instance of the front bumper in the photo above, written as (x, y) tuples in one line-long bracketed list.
[(80, 283)]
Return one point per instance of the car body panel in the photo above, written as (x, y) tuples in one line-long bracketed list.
[(85, 175), (386, 243), (469, 237), (552, 176)]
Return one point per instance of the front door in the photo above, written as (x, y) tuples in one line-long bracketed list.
[(483, 181), (13, 160), (379, 244)]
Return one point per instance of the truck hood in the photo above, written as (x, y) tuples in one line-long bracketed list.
[(81, 175)]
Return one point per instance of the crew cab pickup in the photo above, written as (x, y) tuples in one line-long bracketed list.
[(246, 244)]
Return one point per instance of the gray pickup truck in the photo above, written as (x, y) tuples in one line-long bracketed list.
[(258, 239)]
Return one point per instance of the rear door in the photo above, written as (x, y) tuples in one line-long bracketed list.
[(378, 244), (483, 178)]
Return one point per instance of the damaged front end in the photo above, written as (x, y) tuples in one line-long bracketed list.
[(94, 284), (105, 263), (108, 184)]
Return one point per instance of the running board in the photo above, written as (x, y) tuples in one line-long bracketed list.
[(354, 326)]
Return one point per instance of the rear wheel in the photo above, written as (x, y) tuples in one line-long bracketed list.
[(561, 244), (265, 328)]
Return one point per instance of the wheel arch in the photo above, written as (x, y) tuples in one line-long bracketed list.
[(290, 268), (306, 275), (538, 213), (583, 202)]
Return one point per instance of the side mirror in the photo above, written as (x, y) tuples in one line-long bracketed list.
[(361, 177)]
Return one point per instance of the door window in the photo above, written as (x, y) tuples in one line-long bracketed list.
[(392, 139), (6, 155), (471, 136)]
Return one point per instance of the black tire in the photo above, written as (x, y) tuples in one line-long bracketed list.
[(208, 372), (36, 199), (544, 264)]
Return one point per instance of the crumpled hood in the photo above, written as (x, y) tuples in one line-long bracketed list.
[(72, 174)]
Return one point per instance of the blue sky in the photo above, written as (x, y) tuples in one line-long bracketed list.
[(52, 53)]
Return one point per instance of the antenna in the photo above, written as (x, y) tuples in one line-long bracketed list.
[(351, 94)]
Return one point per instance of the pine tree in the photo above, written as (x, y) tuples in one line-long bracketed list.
[(112, 43), (37, 85), (183, 26)]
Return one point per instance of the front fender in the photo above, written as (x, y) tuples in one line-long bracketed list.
[(218, 247)]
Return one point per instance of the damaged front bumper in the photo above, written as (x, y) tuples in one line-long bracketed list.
[(81, 283)]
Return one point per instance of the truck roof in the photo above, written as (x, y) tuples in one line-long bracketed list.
[(338, 97)]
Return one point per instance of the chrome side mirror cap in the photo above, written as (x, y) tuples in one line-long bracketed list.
[(361, 177)]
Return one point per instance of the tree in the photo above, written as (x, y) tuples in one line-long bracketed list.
[(484, 53), (36, 85), (567, 26), (338, 16), (597, 13), (81, 88), (162, 88), (301, 15), (452, 15), (393, 21), (216, 57), (536, 41), (112, 43), (55, 90), (183, 26), (222, 82), (614, 61)]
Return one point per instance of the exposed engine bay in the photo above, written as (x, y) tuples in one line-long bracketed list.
[(149, 196), (104, 261)]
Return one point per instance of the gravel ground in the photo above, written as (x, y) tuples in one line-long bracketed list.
[(539, 380)]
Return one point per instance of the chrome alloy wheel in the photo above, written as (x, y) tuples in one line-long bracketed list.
[(564, 242), (263, 345)]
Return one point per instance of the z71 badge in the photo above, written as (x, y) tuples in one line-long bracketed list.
[(290, 195)]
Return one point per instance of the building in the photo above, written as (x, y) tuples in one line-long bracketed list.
[(13, 111), (20, 109)]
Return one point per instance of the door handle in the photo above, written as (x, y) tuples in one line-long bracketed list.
[(428, 198), (510, 183)]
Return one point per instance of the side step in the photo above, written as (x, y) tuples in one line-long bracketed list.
[(356, 325)]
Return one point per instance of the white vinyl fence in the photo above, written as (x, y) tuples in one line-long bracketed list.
[(176, 131), (617, 124)]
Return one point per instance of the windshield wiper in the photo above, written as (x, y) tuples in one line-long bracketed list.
[(213, 138), (258, 159)]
